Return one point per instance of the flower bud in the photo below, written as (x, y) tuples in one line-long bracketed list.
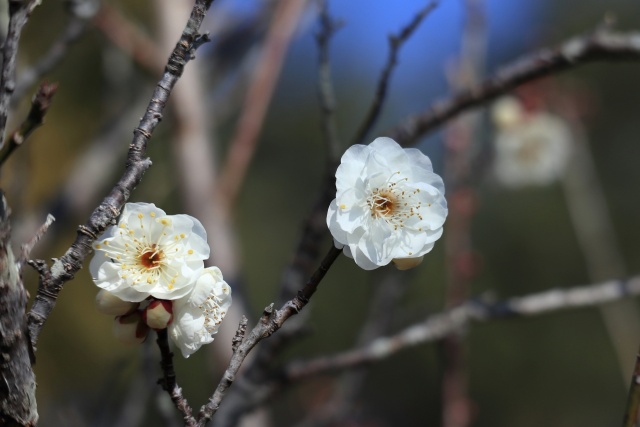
[(158, 314), (108, 303), (407, 263), (130, 328)]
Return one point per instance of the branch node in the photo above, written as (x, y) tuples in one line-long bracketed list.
[(87, 231), (266, 314), (240, 333)]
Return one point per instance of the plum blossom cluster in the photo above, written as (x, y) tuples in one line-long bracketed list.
[(532, 147), (150, 268), (389, 205)]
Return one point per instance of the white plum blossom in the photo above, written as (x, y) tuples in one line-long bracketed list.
[(389, 204), (197, 316), (149, 253), (531, 147)]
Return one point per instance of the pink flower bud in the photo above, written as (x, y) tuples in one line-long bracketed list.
[(407, 263), (108, 303), (158, 314), (130, 328)]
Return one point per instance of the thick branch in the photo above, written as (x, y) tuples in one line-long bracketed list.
[(603, 45), (64, 269), (18, 384)]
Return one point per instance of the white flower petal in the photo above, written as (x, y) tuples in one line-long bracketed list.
[(149, 253), (197, 316), (389, 204)]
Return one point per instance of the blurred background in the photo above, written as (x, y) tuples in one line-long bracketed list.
[(561, 369)]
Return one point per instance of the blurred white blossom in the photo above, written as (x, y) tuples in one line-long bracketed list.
[(532, 148), (149, 253), (389, 204), (197, 316)]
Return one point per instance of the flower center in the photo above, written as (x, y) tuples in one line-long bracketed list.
[(151, 258), (394, 203), (382, 203)]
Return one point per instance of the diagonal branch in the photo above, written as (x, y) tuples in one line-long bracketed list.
[(39, 107), (602, 45), (63, 269), (19, 13), (395, 43), (75, 28), (440, 325), (270, 322), (261, 87)]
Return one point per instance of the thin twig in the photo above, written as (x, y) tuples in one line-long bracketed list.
[(440, 325), (261, 87), (395, 43), (75, 28), (603, 45), (53, 279), (633, 401), (168, 380), (28, 247), (39, 107), (268, 324), (19, 13), (326, 95)]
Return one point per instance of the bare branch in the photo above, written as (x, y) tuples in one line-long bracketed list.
[(52, 280), (395, 43), (28, 247), (270, 322), (18, 389), (328, 28), (240, 333), (261, 87), (440, 325), (39, 107), (75, 28), (19, 13), (603, 45), (168, 381)]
